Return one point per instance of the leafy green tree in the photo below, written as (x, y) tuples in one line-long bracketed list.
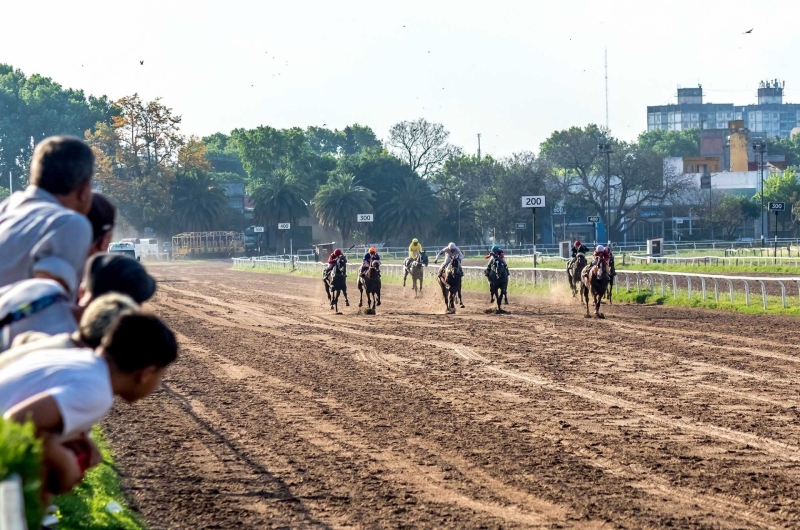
[(279, 200), (412, 211), (788, 147), (379, 171), (4, 193), (340, 200), (733, 211), (779, 187), (358, 138), (32, 108), (198, 204), (638, 175), (672, 143)]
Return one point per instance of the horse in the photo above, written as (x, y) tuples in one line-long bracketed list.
[(498, 282), (450, 282), (414, 268), (574, 269), (594, 280), (336, 284), (611, 275), (370, 282)]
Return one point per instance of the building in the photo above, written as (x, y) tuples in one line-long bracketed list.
[(236, 195), (769, 117)]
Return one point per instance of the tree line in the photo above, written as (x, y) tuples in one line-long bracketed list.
[(415, 182)]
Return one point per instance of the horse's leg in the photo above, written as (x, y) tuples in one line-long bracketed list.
[(361, 293), (327, 289), (335, 301), (585, 297), (344, 291), (378, 294), (460, 301), (610, 290), (406, 276), (505, 291)]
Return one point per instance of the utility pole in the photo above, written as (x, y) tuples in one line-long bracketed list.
[(760, 147), (479, 147), (606, 65), (604, 148)]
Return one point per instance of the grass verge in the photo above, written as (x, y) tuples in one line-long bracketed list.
[(85, 507), (621, 296)]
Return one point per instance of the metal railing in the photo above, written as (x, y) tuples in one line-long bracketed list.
[(644, 280), (738, 260)]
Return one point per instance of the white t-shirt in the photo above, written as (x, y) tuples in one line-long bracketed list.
[(77, 379), (54, 319)]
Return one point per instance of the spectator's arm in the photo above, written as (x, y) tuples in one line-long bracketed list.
[(60, 255), (42, 409)]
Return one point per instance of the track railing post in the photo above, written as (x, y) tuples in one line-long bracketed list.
[(763, 292)]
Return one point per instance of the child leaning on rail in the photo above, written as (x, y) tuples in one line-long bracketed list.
[(66, 391)]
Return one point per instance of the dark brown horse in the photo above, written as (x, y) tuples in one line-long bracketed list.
[(450, 282), (370, 282), (574, 270), (594, 280), (336, 283), (612, 275)]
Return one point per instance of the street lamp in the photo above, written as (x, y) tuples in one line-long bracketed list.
[(604, 148), (760, 147)]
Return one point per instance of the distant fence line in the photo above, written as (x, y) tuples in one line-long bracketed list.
[(715, 285)]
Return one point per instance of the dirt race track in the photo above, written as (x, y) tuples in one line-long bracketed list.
[(280, 414)]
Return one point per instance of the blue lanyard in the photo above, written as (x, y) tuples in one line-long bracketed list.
[(31, 308)]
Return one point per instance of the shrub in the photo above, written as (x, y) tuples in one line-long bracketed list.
[(21, 453)]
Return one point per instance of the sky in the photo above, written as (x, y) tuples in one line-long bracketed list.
[(513, 71)]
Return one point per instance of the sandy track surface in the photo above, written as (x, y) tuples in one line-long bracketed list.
[(280, 414)]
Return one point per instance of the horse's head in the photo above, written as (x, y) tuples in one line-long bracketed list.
[(455, 268), (602, 269), (423, 257), (341, 263)]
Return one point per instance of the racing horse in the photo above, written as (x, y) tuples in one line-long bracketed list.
[(450, 282), (594, 280), (612, 274), (498, 282), (336, 283), (370, 282), (574, 269), (414, 268)]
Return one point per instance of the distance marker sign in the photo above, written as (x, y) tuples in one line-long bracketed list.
[(364, 218), (284, 226), (593, 219), (533, 201), (777, 206)]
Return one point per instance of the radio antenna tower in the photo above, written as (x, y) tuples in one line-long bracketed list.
[(606, 88)]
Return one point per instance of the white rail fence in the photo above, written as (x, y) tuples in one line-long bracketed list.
[(654, 282), (749, 261)]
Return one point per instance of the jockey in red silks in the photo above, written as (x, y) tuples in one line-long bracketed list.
[(332, 261)]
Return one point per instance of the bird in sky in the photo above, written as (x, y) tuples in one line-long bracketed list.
[(324, 124), (141, 63), (749, 31)]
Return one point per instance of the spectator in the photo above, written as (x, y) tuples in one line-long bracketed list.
[(97, 319), (65, 393), (44, 305), (102, 216), (43, 230)]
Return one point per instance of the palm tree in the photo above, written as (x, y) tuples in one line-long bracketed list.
[(279, 200), (340, 200), (198, 204), (411, 210)]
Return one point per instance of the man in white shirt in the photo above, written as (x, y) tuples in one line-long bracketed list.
[(43, 230), (65, 392)]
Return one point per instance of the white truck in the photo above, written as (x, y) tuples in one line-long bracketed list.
[(146, 248)]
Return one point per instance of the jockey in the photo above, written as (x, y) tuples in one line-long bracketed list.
[(577, 248), (332, 261), (496, 255), (600, 253), (414, 250), (370, 257), (451, 252)]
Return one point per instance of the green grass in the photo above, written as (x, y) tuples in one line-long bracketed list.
[(738, 305), (21, 454), (623, 296), (85, 507), (712, 269)]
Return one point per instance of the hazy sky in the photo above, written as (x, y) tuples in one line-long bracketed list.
[(513, 71)]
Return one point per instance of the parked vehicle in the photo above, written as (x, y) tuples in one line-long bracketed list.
[(124, 248)]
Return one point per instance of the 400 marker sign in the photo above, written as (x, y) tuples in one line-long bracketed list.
[(533, 201)]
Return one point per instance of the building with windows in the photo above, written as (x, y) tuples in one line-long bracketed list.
[(770, 116)]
